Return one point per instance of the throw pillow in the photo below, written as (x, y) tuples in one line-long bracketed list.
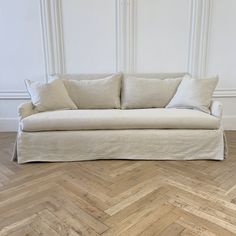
[(194, 94), (148, 92), (49, 96), (95, 93)]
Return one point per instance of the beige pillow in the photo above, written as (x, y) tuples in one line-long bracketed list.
[(49, 96), (148, 92), (95, 93), (194, 94)]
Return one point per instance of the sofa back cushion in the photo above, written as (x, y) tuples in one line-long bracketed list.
[(149, 91), (194, 94), (49, 96), (94, 92), (83, 76)]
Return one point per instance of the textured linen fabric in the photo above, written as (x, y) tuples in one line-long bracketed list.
[(95, 93), (146, 144), (194, 94), (148, 93), (216, 109), (49, 96), (26, 109), (169, 144), (157, 118), (82, 76), (123, 75)]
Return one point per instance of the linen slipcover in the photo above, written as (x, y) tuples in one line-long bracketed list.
[(128, 143), (102, 119), (148, 144)]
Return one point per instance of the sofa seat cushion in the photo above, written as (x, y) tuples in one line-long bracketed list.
[(157, 118)]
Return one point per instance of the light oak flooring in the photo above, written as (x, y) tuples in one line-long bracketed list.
[(117, 197)]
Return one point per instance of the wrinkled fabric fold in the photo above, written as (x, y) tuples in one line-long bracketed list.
[(163, 144)]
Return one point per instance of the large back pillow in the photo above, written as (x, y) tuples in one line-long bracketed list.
[(148, 92), (194, 94), (102, 93), (49, 96)]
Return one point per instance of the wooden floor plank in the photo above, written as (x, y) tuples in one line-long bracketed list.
[(117, 197)]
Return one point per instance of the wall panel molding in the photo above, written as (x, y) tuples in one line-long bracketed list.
[(52, 43), (200, 26), (131, 35), (120, 35), (204, 36), (126, 36), (193, 37), (125, 11), (14, 95), (198, 36), (51, 19), (201, 14), (225, 93)]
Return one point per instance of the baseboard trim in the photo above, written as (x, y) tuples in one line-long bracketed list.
[(11, 124), (8, 124), (229, 122)]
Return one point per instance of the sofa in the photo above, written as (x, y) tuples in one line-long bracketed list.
[(120, 119)]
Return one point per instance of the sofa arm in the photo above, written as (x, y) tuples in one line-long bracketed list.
[(216, 109), (26, 109)]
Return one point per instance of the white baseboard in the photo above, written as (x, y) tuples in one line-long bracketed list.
[(229, 122), (11, 124), (8, 124)]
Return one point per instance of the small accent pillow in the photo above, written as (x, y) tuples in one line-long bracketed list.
[(194, 94), (49, 96), (95, 93), (148, 92)]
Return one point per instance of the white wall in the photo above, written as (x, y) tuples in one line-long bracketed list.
[(89, 28), (45, 36), (21, 55), (161, 35)]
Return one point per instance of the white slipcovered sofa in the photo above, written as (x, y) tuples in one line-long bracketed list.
[(124, 132)]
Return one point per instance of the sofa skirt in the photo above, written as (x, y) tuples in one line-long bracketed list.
[(163, 144)]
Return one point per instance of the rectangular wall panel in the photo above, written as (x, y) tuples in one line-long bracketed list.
[(20, 44), (222, 43), (162, 31), (89, 35)]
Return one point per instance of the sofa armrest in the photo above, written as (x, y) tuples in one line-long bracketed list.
[(26, 109), (216, 109)]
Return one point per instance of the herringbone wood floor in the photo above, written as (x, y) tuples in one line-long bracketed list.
[(117, 197)]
